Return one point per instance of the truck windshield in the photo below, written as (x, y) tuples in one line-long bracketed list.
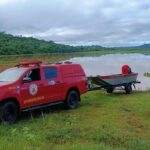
[(11, 75)]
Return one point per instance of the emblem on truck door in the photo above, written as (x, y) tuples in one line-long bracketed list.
[(51, 82), (33, 89)]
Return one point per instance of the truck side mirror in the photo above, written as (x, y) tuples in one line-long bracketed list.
[(26, 79)]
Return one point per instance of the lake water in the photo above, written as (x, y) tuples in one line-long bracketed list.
[(112, 63)]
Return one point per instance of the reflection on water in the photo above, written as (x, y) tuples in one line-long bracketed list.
[(112, 63)]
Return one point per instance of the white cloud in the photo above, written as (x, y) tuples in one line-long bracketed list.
[(109, 23), (55, 32), (7, 2)]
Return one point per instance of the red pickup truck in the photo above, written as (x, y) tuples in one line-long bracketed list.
[(31, 85)]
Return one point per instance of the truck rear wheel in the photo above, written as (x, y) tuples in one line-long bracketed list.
[(72, 100), (9, 112)]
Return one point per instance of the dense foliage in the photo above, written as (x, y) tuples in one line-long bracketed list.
[(16, 45), (10, 45)]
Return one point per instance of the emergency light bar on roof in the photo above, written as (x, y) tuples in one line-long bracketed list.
[(28, 63)]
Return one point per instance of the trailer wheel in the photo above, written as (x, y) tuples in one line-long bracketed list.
[(72, 100), (109, 90), (9, 112), (128, 89)]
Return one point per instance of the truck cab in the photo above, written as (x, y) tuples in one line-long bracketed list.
[(31, 85)]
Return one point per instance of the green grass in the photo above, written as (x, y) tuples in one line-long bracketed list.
[(101, 122), (147, 74)]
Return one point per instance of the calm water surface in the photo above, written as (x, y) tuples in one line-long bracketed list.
[(112, 63)]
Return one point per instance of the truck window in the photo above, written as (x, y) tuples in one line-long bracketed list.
[(50, 72), (12, 74), (34, 75)]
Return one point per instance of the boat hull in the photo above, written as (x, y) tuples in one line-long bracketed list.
[(117, 79)]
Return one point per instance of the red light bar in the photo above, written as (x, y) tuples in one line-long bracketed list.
[(27, 63)]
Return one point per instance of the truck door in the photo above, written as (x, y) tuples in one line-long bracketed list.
[(53, 84), (31, 90)]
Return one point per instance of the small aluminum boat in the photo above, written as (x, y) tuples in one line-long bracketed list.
[(116, 79), (110, 82)]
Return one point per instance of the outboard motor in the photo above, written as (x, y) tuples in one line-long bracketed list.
[(126, 69)]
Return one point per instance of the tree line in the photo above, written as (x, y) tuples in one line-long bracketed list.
[(15, 45)]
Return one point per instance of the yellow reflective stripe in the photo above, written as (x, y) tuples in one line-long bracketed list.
[(33, 99)]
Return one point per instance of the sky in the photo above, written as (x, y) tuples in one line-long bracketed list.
[(79, 22)]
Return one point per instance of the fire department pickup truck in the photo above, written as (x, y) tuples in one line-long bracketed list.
[(31, 85)]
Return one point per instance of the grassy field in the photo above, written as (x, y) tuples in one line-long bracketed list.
[(10, 61), (101, 122), (147, 75)]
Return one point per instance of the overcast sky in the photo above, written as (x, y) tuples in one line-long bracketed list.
[(102, 22)]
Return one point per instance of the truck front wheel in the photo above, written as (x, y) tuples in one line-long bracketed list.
[(9, 112), (72, 100)]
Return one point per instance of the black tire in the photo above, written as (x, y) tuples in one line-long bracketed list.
[(109, 90), (128, 89), (9, 112), (72, 100)]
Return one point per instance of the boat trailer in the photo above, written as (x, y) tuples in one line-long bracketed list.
[(123, 81)]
